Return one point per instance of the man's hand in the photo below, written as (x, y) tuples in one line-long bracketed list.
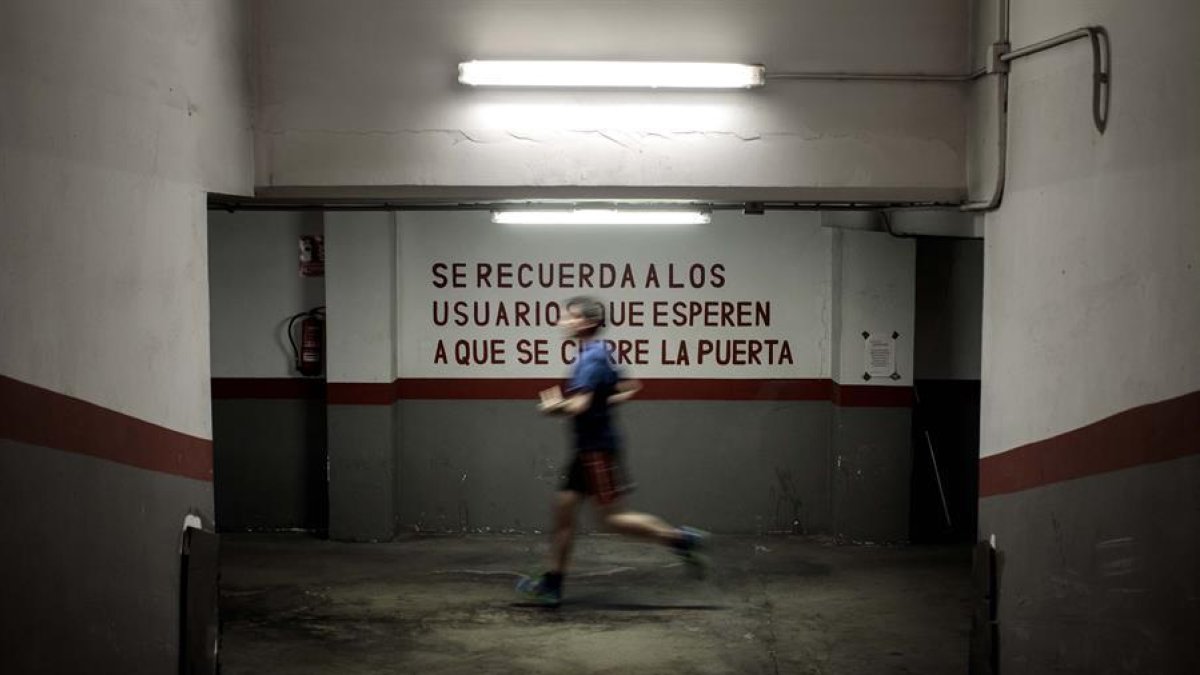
[(626, 389), (552, 400)]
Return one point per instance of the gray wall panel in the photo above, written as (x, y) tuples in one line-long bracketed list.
[(728, 466), (1100, 574), (362, 496), (90, 574), (474, 465), (733, 466), (871, 468), (269, 464)]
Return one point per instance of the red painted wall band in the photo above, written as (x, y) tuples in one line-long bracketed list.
[(268, 387), (1151, 433), (472, 389), (361, 393), (37, 416), (667, 389), (866, 396)]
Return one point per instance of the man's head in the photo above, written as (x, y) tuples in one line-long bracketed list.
[(582, 317)]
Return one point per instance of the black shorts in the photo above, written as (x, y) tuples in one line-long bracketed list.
[(597, 473)]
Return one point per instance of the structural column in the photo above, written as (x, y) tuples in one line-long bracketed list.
[(873, 303), (360, 282)]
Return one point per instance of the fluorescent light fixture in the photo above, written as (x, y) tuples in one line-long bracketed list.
[(612, 74), (600, 217)]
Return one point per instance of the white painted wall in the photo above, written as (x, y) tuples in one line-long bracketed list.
[(116, 119), (779, 258), (874, 291), (1093, 261), (363, 93), (813, 277), (360, 292), (255, 286)]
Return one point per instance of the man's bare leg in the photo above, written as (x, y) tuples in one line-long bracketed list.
[(547, 589), (634, 524), (562, 540), (685, 541)]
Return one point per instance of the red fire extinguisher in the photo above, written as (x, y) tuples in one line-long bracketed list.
[(310, 356)]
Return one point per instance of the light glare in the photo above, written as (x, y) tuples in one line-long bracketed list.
[(614, 74), (575, 116)]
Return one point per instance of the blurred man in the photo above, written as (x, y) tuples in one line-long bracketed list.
[(593, 388)]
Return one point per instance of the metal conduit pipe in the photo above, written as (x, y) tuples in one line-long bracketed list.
[(1101, 79), (232, 205), (1101, 65), (878, 77), (1001, 70), (885, 220), (993, 203)]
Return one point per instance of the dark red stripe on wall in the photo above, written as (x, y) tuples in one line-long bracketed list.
[(665, 389), (361, 393), (268, 387), (1156, 432), (866, 396), (36, 416), (735, 390), (451, 388), (386, 393)]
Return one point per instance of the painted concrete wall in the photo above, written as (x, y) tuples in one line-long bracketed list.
[(98, 567), (875, 293), (268, 454), (779, 260), (255, 286), (449, 464), (1090, 277), (361, 287), (116, 120), (1091, 264), (871, 452), (361, 295), (1099, 574), (727, 466), (109, 286), (365, 94), (269, 464)]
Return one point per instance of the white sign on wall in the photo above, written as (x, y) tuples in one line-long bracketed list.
[(879, 356), (742, 297)]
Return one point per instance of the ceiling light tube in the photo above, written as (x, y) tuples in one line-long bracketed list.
[(611, 74), (600, 217)]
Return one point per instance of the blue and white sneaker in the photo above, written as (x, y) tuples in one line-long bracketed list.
[(538, 591), (691, 550)]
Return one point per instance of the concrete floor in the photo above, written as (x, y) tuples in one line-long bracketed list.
[(296, 604)]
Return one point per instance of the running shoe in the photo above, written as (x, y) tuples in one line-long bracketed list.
[(538, 591), (692, 551)]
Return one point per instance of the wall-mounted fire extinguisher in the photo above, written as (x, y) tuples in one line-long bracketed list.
[(310, 356)]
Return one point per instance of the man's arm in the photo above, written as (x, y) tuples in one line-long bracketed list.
[(626, 389), (553, 402)]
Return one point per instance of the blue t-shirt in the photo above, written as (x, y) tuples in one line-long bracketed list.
[(593, 372)]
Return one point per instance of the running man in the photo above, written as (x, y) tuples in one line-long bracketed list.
[(593, 388)]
